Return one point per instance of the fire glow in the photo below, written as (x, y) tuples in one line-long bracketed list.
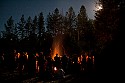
[(57, 47)]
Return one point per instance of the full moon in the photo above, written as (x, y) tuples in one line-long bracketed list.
[(98, 7)]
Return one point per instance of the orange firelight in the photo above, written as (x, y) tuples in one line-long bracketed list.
[(56, 47), (87, 58), (37, 66), (26, 55), (93, 59), (56, 51), (18, 55), (79, 60)]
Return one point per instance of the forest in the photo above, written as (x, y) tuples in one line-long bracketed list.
[(75, 32), (94, 47)]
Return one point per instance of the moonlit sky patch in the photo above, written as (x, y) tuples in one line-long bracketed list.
[(16, 8)]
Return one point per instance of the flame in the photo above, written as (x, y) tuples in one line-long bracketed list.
[(80, 59), (37, 67), (57, 50), (26, 55), (18, 55), (57, 47), (87, 58)]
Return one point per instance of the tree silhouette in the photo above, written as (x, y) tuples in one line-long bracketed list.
[(35, 25), (41, 28), (21, 28), (9, 28), (82, 27), (28, 27), (107, 21), (49, 26), (109, 24), (71, 19)]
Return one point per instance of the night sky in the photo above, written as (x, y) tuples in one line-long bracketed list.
[(16, 8)]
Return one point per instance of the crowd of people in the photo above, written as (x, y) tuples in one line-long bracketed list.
[(38, 64)]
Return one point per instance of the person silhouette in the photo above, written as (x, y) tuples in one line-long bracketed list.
[(57, 61)]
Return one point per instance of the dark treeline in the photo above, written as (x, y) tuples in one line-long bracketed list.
[(78, 31), (37, 33), (110, 25)]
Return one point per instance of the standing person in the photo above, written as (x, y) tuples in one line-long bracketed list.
[(64, 60), (89, 65), (10, 59), (16, 59), (21, 61), (83, 62), (49, 67), (26, 61), (31, 63), (57, 61), (42, 61)]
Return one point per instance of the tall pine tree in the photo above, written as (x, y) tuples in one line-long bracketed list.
[(106, 22), (41, 28)]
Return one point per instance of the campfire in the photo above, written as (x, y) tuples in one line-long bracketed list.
[(57, 47)]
